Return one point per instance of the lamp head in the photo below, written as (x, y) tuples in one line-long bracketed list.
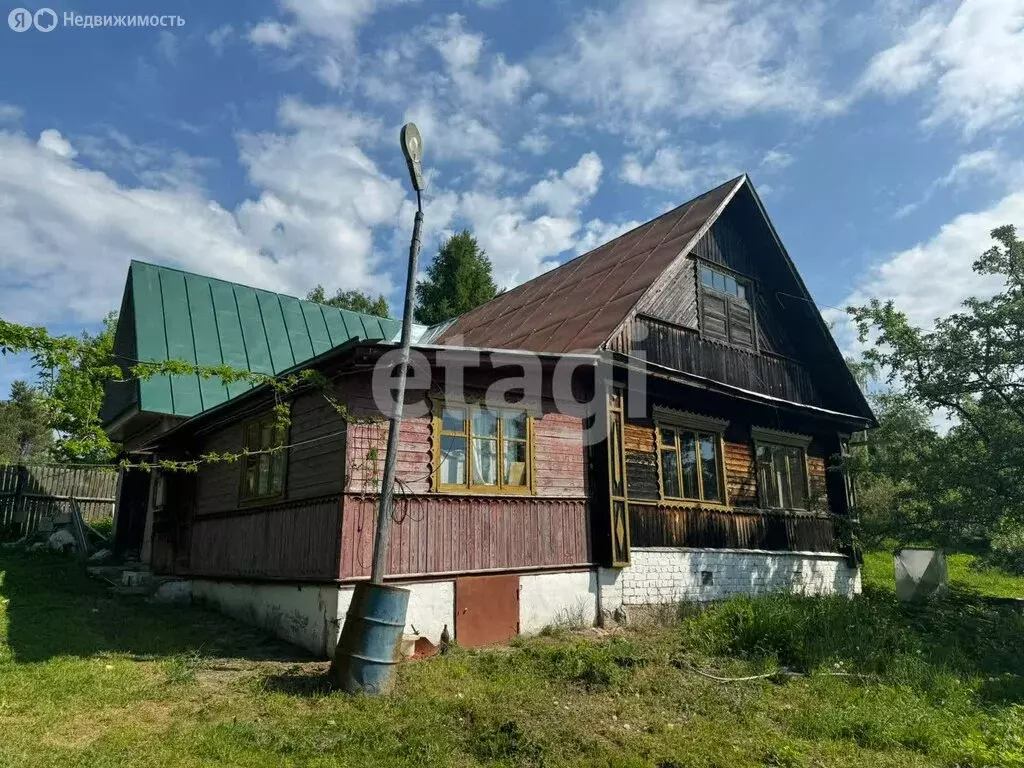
[(412, 148)]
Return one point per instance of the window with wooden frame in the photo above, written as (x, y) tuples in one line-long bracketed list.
[(690, 456), (263, 470), (483, 449), (726, 313), (782, 477)]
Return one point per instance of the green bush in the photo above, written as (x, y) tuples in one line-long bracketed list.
[(1006, 550), (916, 645)]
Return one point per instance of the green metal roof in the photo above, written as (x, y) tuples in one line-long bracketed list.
[(173, 315)]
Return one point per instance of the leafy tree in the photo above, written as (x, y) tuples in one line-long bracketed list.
[(357, 301), (970, 481), (458, 279), (24, 431), (72, 372)]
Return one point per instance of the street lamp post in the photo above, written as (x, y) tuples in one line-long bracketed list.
[(370, 638)]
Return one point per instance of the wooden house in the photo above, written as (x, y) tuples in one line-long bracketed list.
[(682, 441)]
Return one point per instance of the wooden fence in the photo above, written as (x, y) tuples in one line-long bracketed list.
[(29, 494)]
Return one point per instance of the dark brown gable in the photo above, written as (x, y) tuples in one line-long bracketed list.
[(578, 305), (734, 310)]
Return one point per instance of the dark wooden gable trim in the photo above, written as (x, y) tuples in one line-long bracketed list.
[(839, 362), (669, 273)]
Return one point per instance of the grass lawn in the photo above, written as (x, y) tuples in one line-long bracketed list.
[(966, 572), (89, 679)]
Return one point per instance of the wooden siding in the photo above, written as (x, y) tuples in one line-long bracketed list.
[(315, 468), (675, 299), (290, 540), (742, 525), (683, 349), (559, 463), (560, 458), (443, 533), (663, 526), (740, 474)]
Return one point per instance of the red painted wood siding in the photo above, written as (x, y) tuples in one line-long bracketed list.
[(294, 539), (559, 453), (442, 533)]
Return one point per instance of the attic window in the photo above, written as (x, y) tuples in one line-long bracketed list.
[(725, 308)]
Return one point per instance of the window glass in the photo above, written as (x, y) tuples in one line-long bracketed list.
[(453, 460), (718, 282), (709, 467), (689, 461), (706, 277), (670, 472), (453, 420), (513, 425), (798, 480), (485, 461), (263, 472), (730, 285), (782, 476), (515, 463), (741, 292), (484, 422)]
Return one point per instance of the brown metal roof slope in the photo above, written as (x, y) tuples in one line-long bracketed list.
[(578, 305)]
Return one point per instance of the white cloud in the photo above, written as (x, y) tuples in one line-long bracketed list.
[(933, 278), (597, 232), (776, 160), (535, 143), (52, 141), (219, 37), (686, 58), (10, 113), (461, 51), (970, 59), (334, 21), (152, 165), (991, 166), (167, 46), (273, 34), (563, 193), (454, 134), (70, 231), (678, 170)]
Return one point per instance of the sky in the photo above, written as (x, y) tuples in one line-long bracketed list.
[(258, 142)]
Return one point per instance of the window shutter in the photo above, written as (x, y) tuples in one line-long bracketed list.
[(741, 323), (715, 309)]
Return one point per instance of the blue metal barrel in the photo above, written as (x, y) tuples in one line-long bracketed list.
[(368, 648)]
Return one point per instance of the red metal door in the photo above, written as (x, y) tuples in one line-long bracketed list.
[(486, 610)]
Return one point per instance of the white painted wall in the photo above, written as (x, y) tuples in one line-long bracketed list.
[(667, 575), (557, 598), (311, 615), (303, 614), (431, 607)]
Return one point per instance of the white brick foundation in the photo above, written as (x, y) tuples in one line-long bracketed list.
[(671, 575)]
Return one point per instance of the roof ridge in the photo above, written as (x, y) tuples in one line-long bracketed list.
[(619, 236), (251, 288)]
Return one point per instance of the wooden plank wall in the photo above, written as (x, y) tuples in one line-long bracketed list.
[(29, 494), (742, 525), (292, 539), (445, 533), (682, 349), (659, 526), (315, 468)]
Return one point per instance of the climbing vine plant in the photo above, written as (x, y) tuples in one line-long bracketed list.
[(51, 354)]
